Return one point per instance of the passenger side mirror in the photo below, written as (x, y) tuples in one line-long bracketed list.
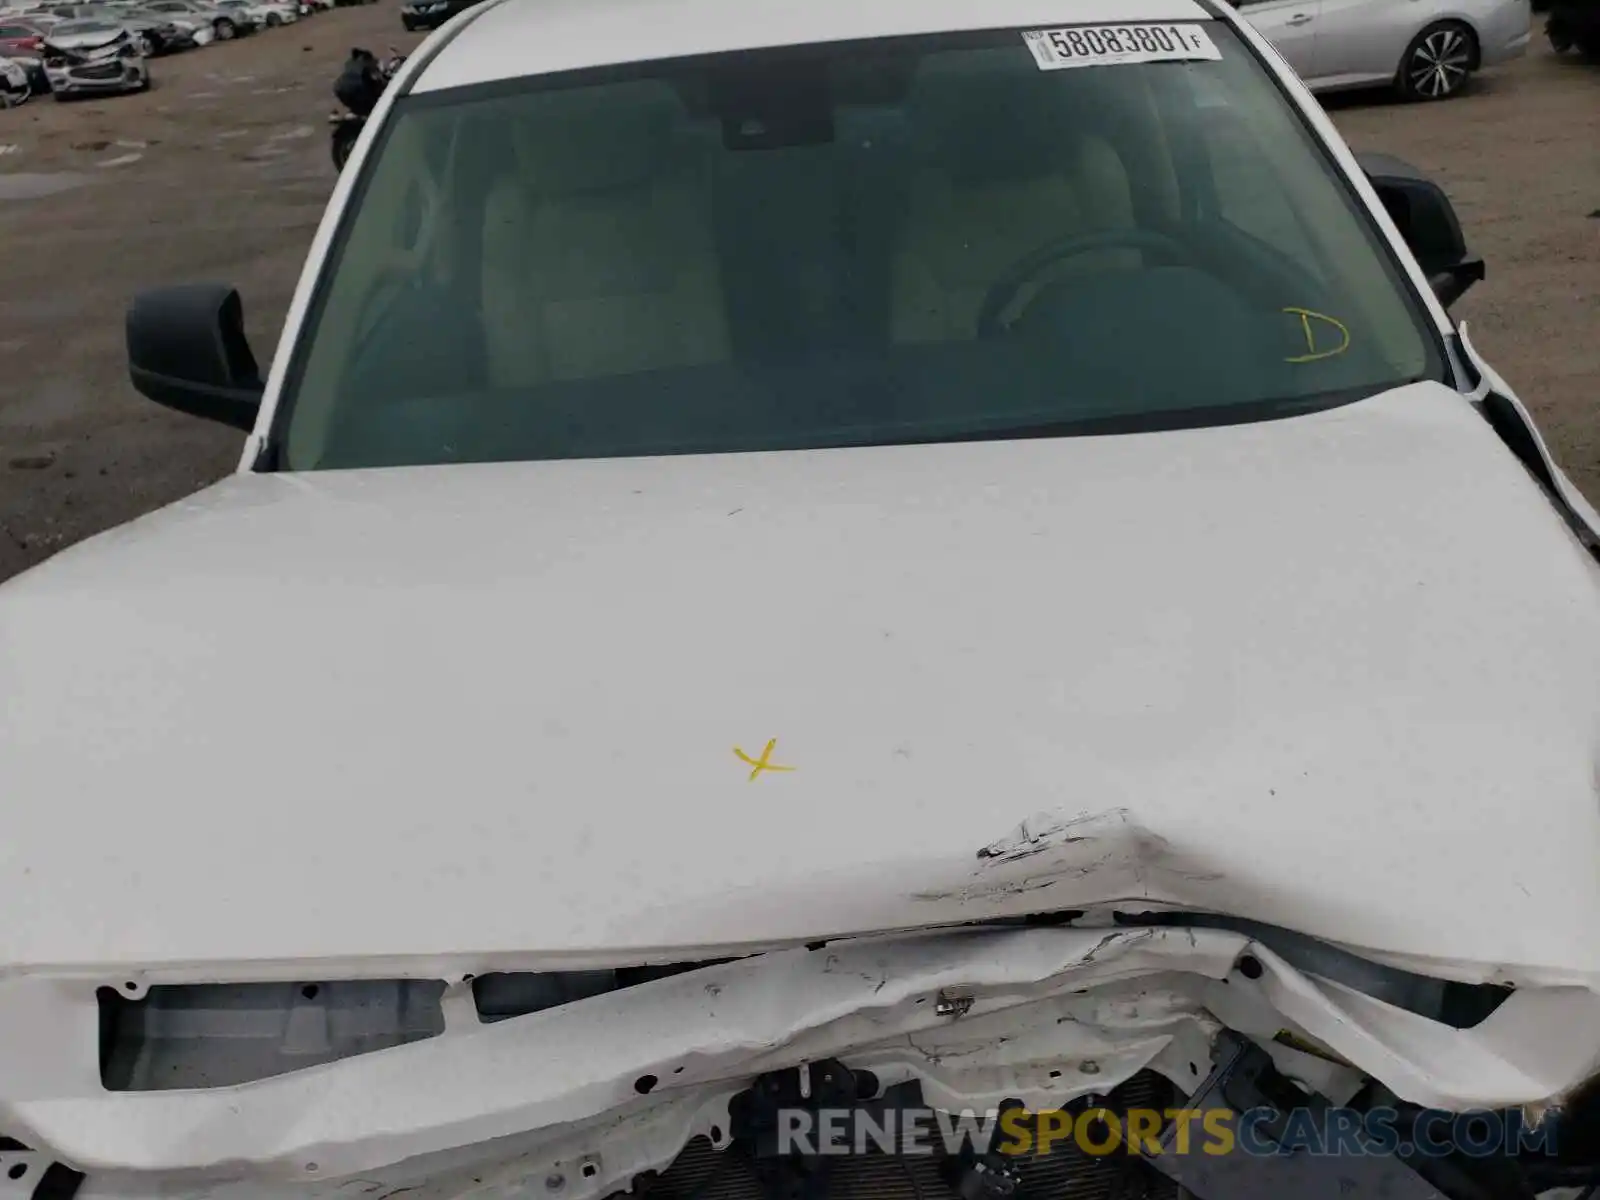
[(1427, 221), (187, 350)]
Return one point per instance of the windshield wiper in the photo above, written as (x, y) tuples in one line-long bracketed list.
[(1157, 420)]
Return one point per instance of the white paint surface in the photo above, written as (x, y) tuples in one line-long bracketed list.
[(562, 1082), (506, 41), (1339, 673)]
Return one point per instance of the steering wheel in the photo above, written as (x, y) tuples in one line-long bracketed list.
[(1027, 268)]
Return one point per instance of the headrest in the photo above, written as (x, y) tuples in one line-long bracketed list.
[(576, 140), (990, 115)]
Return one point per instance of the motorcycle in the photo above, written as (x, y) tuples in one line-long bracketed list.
[(359, 87)]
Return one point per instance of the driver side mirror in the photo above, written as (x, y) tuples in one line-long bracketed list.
[(1427, 221), (187, 350)]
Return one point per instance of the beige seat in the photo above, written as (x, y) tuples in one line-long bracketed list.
[(597, 246), (981, 203)]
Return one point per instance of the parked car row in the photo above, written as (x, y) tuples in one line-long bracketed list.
[(78, 49)]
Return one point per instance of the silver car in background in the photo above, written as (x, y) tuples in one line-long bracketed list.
[(265, 14), (150, 33), (153, 33), (14, 85), (1426, 49), (175, 32), (224, 25), (94, 57)]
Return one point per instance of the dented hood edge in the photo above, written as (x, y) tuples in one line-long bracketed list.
[(1062, 995)]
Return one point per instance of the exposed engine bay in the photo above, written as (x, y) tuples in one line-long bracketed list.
[(752, 1166), (680, 1080)]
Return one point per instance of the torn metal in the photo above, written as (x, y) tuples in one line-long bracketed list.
[(1123, 1000)]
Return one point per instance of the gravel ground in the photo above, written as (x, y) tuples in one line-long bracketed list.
[(221, 172), (1520, 157)]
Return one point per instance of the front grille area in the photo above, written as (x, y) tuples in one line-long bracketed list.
[(219, 1035), (99, 72), (702, 1172)]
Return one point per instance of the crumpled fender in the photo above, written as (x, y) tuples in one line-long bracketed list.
[(866, 1000)]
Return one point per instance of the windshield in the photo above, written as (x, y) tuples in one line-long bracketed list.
[(907, 240), (85, 26)]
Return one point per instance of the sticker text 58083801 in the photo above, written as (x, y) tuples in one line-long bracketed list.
[(1111, 45)]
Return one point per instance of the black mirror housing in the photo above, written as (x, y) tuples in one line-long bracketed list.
[(187, 350), (1427, 220)]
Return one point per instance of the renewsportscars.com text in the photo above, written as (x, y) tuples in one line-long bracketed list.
[(1331, 1132)]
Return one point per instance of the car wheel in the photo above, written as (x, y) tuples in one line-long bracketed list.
[(224, 29), (343, 141), (273, 20), (411, 26), (1438, 61)]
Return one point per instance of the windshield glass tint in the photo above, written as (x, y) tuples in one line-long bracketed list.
[(899, 241)]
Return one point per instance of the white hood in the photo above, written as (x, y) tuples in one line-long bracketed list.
[(1339, 673), (96, 44)]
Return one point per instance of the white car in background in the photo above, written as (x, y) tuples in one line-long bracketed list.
[(266, 14), (15, 86), (1426, 49), (94, 56), (224, 25), (32, 67), (160, 32)]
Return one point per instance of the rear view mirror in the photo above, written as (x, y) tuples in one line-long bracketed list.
[(187, 350), (1427, 221)]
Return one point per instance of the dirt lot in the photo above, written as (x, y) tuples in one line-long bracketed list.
[(221, 172), (230, 179)]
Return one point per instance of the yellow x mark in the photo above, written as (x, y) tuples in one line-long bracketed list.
[(761, 764)]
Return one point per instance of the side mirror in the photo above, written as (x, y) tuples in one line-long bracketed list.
[(1427, 221), (187, 350)]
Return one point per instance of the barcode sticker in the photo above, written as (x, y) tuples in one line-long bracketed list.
[(1114, 45)]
